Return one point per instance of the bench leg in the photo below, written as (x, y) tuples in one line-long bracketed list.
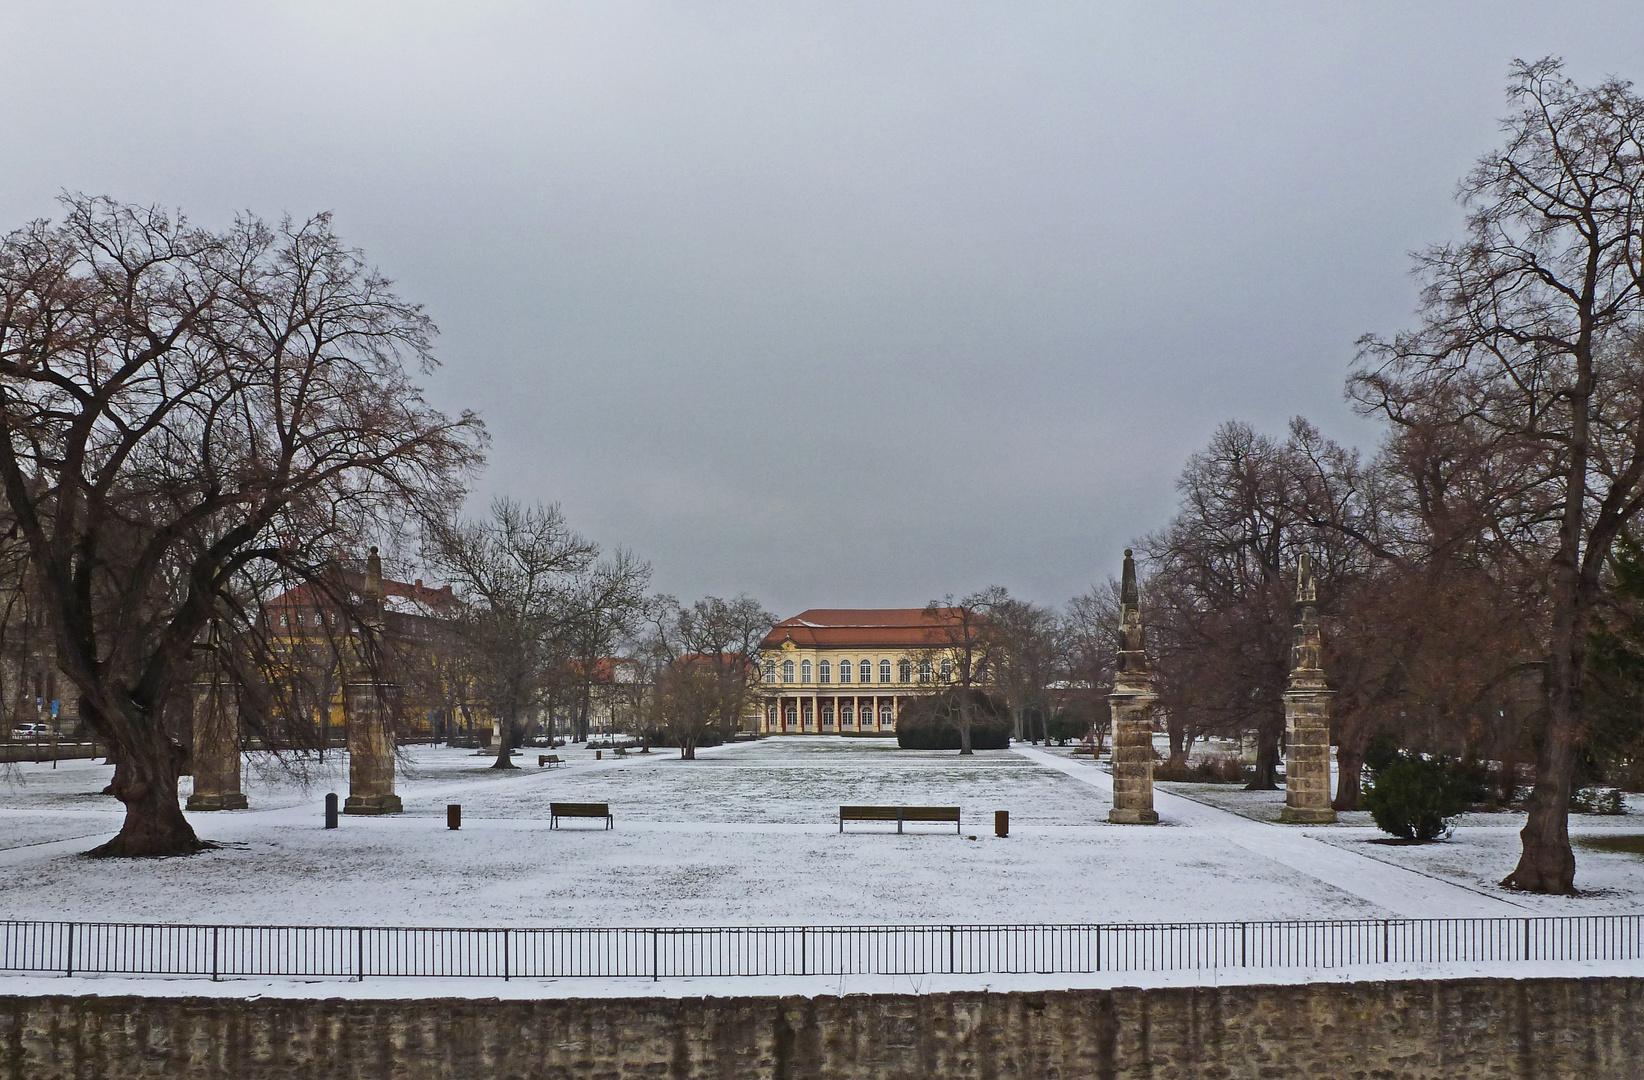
[(898, 820)]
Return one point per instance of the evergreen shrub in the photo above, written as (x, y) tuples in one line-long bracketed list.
[(1416, 797)]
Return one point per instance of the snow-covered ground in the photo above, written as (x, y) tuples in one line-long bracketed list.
[(748, 834)]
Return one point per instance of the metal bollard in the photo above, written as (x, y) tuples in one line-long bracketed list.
[(453, 815), (598, 754), (331, 810), (1001, 823)]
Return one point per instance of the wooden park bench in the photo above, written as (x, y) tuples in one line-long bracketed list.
[(557, 810), (549, 759), (621, 751), (899, 814)]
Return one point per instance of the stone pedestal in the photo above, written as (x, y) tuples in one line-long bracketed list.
[(1307, 752), (1132, 711), (370, 749), (215, 754)]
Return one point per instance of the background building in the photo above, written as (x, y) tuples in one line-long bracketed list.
[(848, 671)]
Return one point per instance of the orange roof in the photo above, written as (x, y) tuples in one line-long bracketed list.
[(899, 628)]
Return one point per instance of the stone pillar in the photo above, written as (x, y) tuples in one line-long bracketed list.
[(1307, 716), (371, 702), (370, 749), (215, 754), (1131, 705)]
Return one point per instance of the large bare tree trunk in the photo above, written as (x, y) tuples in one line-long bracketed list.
[(1179, 743), (145, 780), (1547, 862), (1349, 776), (505, 749), (1266, 776)]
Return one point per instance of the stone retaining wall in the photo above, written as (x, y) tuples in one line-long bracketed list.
[(1455, 1030)]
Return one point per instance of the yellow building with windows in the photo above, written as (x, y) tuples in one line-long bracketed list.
[(849, 671)]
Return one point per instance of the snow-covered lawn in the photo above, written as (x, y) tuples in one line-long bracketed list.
[(748, 834)]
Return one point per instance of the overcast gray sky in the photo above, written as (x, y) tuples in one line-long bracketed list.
[(833, 303)]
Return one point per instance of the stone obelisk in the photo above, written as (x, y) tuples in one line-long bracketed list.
[(215, 753), (369, 704), (1307, 715), (1131, 704)]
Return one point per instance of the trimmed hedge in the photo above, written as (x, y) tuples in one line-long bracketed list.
[(932, 723)]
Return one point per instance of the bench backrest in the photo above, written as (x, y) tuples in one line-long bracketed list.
[(930, 813), (906, 813), (868, 813), (579, 809)]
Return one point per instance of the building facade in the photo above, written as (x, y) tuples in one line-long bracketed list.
[(849, 671)]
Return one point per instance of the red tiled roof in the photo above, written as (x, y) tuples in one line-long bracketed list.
[(900, 628), (307, 595)]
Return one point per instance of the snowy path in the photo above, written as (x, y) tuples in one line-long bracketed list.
[(1404, 892)]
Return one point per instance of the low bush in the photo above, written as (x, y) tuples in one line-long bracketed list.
[(1416, 797), (1065, 727), (1219, 769), (665, 737), (1593, 800)]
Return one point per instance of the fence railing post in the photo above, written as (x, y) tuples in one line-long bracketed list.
[(359, 953), (656, 969), (505, 970), (214, 952), (69, 968)]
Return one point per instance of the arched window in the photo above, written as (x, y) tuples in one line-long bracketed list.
[(770, 671), (904, 671), (824, 672), (924, 671), (787, 671), (864, 671), (884, 671), (845, 714), (844, 671), (804, 671), (827, 717), (947, 669), (884, 716)]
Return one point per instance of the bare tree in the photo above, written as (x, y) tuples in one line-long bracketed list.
[(962, 648), (1530, 337), (1088, 627), (181, 408), (704, 661), (608, 608), (516, 577), (1029, 656)]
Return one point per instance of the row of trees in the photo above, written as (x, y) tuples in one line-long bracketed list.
[(1480, 569), (196, 423)]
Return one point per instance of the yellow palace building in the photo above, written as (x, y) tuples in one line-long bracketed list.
[(849, 671)]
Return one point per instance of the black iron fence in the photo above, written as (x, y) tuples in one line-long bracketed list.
[(359, 952)]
